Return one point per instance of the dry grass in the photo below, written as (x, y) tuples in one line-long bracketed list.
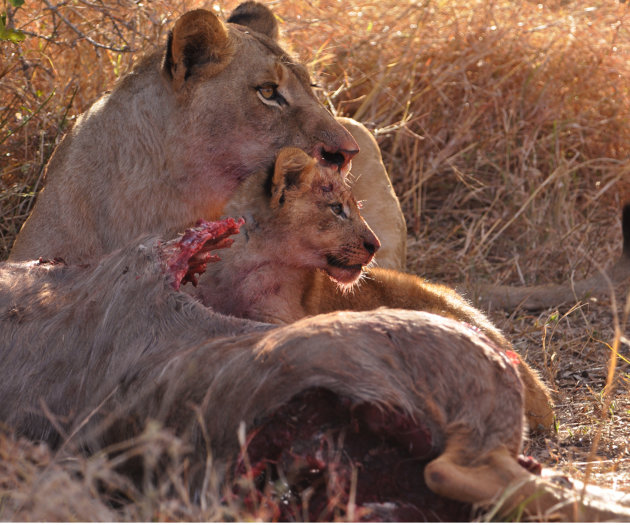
[(505, 127)]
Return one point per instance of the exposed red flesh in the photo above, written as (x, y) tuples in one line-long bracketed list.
[(54, 261), (530, 464), (188, 256), (314, 442), (513, 357)]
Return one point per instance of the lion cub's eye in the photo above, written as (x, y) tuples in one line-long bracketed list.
[(269, 94), (337, 209)]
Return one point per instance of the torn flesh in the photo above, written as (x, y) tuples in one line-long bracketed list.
[(187, 256), (319, 452)]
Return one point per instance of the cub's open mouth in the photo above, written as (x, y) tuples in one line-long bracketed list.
[(343, 273)]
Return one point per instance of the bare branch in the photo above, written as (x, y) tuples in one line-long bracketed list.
[(53, 8)]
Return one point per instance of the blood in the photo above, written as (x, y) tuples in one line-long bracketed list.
[(530, 464), (53, 262), (304, 455), (513, 357), (188, 257)]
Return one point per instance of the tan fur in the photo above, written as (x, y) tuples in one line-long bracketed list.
[(175, 138), (271, 273), (90, 354)]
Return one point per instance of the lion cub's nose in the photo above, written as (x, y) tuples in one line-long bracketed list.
[(372, 245)]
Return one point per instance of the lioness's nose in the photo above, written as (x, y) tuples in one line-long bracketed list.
[(340, 158), (338, 152)]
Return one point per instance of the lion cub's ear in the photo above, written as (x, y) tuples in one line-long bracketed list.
[(257, 17), (199, 38), (294, 168)]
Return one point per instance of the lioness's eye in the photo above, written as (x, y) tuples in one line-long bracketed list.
[(337, 209), (269, 93)]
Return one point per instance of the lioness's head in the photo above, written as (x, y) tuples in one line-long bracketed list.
[(176, 137), (315, 220), (240, 98)]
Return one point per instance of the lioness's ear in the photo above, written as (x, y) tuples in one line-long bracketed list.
[(257, 17), (199, 38), (294, 168)]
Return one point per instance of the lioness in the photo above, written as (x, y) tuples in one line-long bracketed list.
[(301, 218), (177, 135)]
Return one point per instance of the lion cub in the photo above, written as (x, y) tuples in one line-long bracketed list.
[(299, 218), (302, 251)]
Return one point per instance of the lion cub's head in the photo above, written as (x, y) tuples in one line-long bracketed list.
[(315, 220)]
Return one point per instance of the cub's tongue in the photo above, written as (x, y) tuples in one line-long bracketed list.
[(340, 272), (347, 275)]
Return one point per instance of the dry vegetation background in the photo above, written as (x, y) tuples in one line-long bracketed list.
[(505, 127)]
